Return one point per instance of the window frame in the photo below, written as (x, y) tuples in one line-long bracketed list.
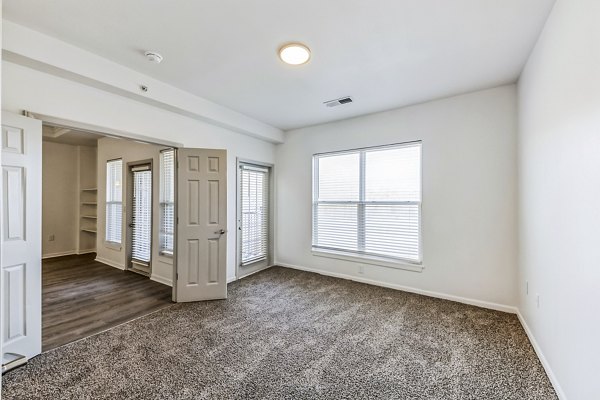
[(266, 214), (109, 243), (363, 256), (249, 269), (133, 168), (163, 251)]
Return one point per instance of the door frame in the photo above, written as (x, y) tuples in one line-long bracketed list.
[(241, 272), (110, 132), (129, 220)]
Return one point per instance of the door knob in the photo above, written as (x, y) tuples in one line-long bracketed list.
[(221, 232)]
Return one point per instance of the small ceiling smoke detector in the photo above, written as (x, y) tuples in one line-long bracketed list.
[(153, 57), (338, 102), (294, 54)]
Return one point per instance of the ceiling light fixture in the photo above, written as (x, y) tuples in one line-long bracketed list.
[(153, 56), (294, 54)]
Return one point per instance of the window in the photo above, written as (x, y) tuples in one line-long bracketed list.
[(167, 201), (367, 202), (254, 218), (141, 213), (114, 201)]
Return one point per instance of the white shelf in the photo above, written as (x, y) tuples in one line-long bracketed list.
[(87, 218)]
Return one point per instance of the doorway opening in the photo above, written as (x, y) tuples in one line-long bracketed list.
[(101, 262), (89, 284)]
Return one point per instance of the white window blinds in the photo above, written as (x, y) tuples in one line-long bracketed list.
[(368, 202), (141, 235), (254, 197), (114, 201), (167, 200)]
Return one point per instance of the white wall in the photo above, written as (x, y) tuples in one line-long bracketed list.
[(559, 196), (42, 93), (28, 47), (60, 206), (469, 193), (66, 169)]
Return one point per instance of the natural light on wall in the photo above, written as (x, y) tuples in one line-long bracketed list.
[(367, 202)]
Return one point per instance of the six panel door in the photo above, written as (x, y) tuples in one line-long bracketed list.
[(21, 236), (202, 223)]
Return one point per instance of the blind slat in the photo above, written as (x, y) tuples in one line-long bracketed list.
[(141, 236), (167, 201), (114, 201), (254, 198), (368, 201)]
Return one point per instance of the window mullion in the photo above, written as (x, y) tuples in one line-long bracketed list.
[(361, 202)]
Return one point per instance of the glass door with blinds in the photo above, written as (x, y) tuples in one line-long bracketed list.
[(140, 223), (253, 217)]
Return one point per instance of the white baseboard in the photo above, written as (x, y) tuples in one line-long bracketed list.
[(110, 263), (235, 278), (161, 279), (473, 302), (480, 303), (538, 350), (59, 254), (88, 251), (255, 272)]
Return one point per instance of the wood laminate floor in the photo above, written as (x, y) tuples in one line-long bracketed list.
[(81, 297)]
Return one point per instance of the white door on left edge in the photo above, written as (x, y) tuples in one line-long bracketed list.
[(21, 236)]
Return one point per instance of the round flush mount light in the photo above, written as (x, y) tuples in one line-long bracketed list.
[(153, 56), (294, 54)]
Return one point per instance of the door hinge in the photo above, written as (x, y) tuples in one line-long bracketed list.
[(176, 276)]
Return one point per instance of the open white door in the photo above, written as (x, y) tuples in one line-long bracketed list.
[(202, 223), (21, 238)]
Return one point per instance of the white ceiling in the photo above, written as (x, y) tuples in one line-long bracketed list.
[(384, 53), (73, 137)]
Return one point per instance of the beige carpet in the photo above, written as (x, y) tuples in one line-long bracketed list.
[(286, 334)]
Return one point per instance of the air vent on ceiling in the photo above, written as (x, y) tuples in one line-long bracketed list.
[(338, 102)]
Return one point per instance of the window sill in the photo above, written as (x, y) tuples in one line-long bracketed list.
[(166, 253), (372, 260), (113, 246)]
